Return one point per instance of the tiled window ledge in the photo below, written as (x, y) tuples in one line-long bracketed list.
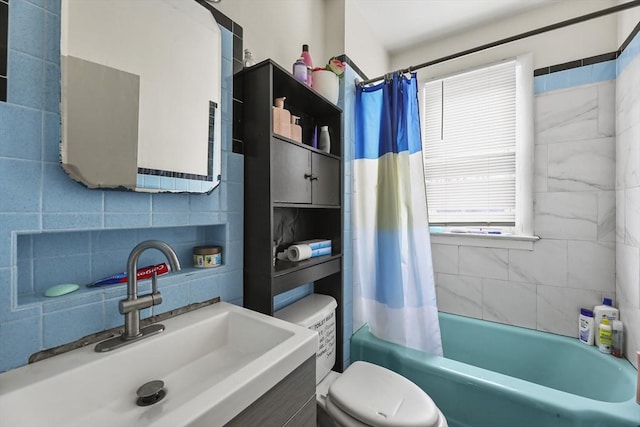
[(485, 240)]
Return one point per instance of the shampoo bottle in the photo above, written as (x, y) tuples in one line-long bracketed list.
[(281, 118), (585, 329), (314, 138), (604, 310), (300, 70), (617, 339), (296, 129), (248, 58), (604, 332), (306, 58), (324, 140)]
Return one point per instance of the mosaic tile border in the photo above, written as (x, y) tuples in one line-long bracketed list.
[(4, 35), (606, 66), (158, 178)]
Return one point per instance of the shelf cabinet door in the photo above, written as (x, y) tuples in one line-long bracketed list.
[(325, 189), (290, 171), (301, 176)]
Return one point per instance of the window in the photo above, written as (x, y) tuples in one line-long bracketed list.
[(477, 147)]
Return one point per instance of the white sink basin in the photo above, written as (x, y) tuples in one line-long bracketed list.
[(214, 362)]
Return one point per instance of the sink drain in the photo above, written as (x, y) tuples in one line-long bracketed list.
[(150, 393)]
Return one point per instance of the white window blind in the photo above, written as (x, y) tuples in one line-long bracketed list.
[(469, 147)]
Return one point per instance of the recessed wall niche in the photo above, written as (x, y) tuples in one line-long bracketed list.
[(82, 257)]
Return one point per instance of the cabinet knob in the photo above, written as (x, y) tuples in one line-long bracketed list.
[(310, 176)]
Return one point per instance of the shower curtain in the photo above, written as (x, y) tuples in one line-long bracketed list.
[(393, 287)]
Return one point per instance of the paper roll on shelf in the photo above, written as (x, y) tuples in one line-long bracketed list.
[(299, 252), (304, 251)]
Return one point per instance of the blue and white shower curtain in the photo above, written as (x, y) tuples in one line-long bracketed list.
[(394, 290)]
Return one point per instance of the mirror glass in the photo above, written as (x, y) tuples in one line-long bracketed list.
[(141, 84)]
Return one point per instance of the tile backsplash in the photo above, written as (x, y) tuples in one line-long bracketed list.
[(53, 229), (82, 257)]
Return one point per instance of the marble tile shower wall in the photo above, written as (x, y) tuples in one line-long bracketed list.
[(36, 196), (573, 265), (628, 195)]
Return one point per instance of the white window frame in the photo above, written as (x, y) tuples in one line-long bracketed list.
[(521, 235)]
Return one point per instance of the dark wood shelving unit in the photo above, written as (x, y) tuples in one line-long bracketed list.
[(281, 203)]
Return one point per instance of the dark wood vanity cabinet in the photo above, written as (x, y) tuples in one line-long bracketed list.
[(290, 403), (292, 192)]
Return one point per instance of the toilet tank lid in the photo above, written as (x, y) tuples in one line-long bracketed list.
[(379, 397), (306, 311)]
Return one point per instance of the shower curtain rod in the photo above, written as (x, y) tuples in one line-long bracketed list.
[(520, 36)]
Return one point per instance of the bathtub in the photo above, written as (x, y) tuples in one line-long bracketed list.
[(496, 375)]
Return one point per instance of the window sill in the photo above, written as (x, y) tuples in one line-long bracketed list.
[(485, 240)]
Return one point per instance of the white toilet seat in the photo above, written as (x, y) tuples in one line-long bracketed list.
[(340, 417), (368, 395), (365, 395)]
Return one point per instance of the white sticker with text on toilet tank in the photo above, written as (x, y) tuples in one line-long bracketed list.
[(326, 329)]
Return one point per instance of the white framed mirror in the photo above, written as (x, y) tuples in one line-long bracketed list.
[(141, 88)]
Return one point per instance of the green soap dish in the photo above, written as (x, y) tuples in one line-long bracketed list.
[(59, 290)]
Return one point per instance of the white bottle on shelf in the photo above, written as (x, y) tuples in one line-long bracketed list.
[(281, 118), (585, 326), (295, 130), (605, 334), (324, 140), (604, 310), (617, 338)]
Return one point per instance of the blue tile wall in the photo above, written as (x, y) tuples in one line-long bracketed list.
[(347, 103), (289, 297), (628, 54), (82, 257), (54, 229)]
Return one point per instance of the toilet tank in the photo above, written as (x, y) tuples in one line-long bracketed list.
[(316, 312)]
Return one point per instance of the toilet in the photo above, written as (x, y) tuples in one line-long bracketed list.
[(364, 395)]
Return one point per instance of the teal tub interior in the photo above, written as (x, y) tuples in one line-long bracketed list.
[(495, 375)]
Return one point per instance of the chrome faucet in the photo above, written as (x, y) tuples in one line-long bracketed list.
[(131, 306)]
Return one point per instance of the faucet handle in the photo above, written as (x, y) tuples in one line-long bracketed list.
[(154, 282), (156, 296)]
